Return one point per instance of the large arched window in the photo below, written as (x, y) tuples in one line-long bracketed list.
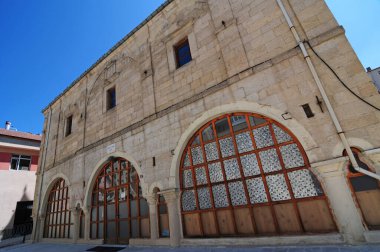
[(58, 216), (118, 210), (244, 175), (366, 191)]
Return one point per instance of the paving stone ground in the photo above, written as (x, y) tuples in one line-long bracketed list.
[(45, 247)]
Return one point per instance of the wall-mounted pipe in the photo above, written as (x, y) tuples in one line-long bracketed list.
[(324, 95)]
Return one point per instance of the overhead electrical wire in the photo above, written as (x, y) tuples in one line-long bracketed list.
[(340, 80)]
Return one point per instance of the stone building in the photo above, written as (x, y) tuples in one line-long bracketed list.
[(216, 122)]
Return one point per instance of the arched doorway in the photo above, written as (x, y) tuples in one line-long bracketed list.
[(243, 174), (58, 223), (118, 210), (366, 192)]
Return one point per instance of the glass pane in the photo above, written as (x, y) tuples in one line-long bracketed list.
[(108, 181), (188, 200), (101, 213), (111, 229), (250, 165), (100, 230), (204, 198), (270, 161), (227, 147), (14, 164), (244, 142), (220, 196), (122, 194), (196, 141), (186, 161), (115, 179), (124, 229), (211, 151), (281, 135), (208, 134), (134, 212), (135, 228), (101, 197), (364, 183), (123, 164), (237, 193), (231, 168), (222, 127), (263, 137), (111, 212), (93, 214), (116, 166), (144, 208), (187, 178), (93, 231), (303, 184), (200, 175), (110, 196), (277, 187), (215, 172), (197, 155), (101, 183), (291, 156), (108, 169), (123, 210), (256, 120), (162, 209), (238, 123), (256, 190), (124, 175), (24, 164)]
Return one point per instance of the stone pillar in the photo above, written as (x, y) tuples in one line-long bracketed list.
[(75, 213), (171, 198), (40, 227), (153, 215), (343, 207), (87, 223)]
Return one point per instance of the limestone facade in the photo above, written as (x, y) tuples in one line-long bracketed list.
[(244, 59)]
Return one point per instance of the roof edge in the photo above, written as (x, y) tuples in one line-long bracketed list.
[(119, 43)]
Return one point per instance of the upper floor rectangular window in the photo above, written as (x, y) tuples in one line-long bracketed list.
[(182, 53), (69, 125), (111, 98), (20, 162)]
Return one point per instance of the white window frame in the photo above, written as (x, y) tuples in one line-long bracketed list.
[(19, 157)]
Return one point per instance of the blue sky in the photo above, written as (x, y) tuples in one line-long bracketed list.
[(45, 45)]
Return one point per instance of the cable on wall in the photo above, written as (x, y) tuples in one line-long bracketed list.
[(340, 80)]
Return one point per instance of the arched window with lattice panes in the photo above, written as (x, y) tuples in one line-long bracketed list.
[(118, 210), (366, 192), (58, 222), (243, 174)]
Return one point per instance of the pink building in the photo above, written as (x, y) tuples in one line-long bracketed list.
[(18, 164)]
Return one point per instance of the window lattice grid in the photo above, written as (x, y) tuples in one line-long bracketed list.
[(117, 204), (58, 216), (235, 152)]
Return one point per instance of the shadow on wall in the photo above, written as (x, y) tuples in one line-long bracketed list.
[(21, 221)]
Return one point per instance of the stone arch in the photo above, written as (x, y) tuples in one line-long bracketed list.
[(240, 168), (354, 142), (295, 127), (97, 169), (51, 183)]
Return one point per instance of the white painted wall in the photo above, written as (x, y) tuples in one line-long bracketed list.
[(15, 186)]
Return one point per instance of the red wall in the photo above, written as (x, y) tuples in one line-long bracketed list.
[(33, 165), (5, 161)]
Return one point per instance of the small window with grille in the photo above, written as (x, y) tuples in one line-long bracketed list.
[(111, 98), (182, 53)]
